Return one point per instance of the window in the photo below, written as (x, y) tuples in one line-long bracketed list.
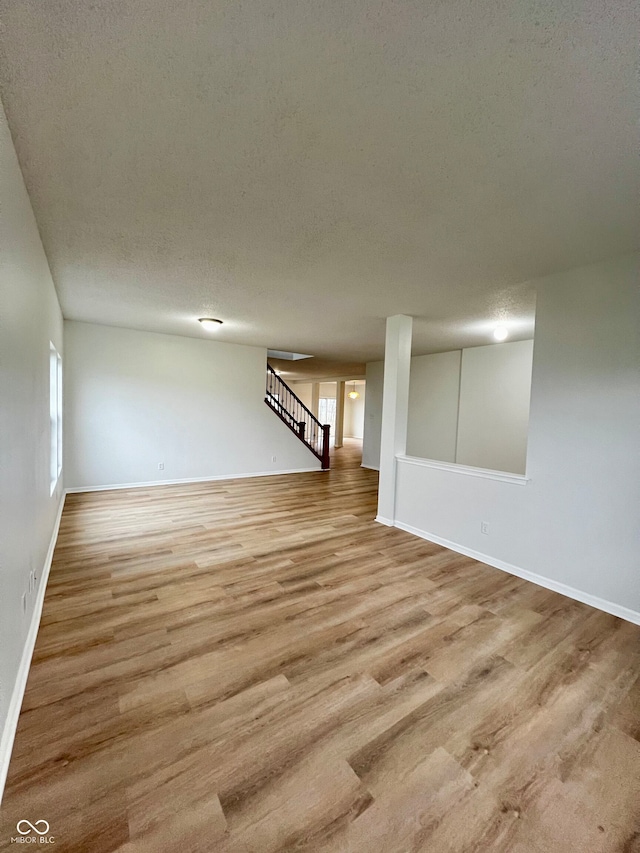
[(327, 411), (55, 414)]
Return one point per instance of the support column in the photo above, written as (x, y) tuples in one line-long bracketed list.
[(339, 436), (395, 410), (315, 398)]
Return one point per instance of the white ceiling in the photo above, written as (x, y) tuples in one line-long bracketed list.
[(303, 170)]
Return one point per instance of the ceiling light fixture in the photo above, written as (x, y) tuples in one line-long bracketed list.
[(501, 333), (210, 323), (353, 394)]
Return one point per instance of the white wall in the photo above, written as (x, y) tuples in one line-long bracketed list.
[(433, 405), (372, 415), (29, 319), (303, 391), (493, 418), (354, 411), (469, 407), (328, 390), (136, 399), (575, 525)]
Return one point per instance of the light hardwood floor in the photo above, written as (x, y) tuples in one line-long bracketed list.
[(256, 665)]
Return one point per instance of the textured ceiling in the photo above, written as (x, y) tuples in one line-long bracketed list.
[(303, 170)]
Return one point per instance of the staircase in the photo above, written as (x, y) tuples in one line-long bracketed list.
[(300, 420)]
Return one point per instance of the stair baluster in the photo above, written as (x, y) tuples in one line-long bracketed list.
[(300, 420)]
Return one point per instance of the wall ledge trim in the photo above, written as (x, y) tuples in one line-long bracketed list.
[(82, 489), (17, 695), (485, 473), (555, 586)]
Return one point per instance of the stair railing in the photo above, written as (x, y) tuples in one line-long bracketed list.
[(300, 420)]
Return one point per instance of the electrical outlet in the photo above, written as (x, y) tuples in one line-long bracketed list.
[(484, 527), (273, 458), (160, 466)]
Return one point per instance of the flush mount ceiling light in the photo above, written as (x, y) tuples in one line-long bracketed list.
[(501, 333), (210, 323), (353, 394)]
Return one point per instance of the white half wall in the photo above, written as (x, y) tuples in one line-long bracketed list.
[(575, 524), (30, 318), (434, 391), (135, 400), (493, 417)]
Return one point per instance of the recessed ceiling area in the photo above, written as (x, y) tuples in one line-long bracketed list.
[(302, 170), (287, 356), (314, 369)]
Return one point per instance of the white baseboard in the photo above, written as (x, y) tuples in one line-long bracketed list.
[(576, 594), (370, 467), (186, 480), (386, 521), (17, 695)]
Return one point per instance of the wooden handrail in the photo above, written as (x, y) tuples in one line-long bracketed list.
[(298, 417)]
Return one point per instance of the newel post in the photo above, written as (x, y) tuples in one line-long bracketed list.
[(326, 429)]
